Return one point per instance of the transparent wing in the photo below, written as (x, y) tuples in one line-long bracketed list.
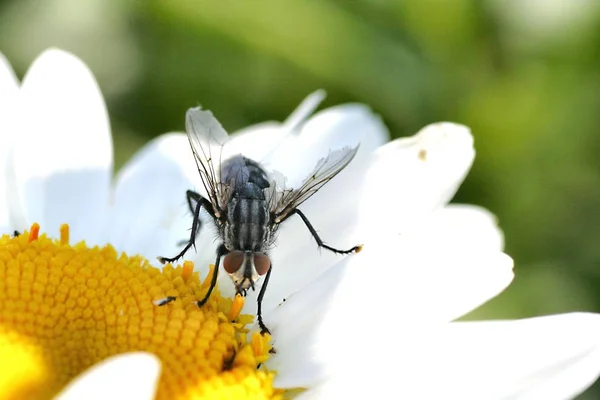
[(207, 137), (285, 201)]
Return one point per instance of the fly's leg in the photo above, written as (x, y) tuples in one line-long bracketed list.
[(221, 251), (200, 202), (190, 196), (314, 233), (261, 294)]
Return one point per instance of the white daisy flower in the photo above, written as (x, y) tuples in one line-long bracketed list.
[(418, 250), (57, 164)]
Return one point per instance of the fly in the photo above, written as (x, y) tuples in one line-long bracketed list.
[(247, 206)]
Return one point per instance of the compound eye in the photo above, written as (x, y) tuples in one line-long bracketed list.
[(262, 263), (233, 261)]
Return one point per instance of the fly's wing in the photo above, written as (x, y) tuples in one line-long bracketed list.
[(207, 137), (285, 201)]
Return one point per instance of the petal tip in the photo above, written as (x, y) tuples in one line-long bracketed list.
[(449, 129), (55, 55), (118, 377), (305, 109), (447, 135)]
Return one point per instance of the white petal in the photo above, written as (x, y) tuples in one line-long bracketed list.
[(63, 153), (461, 225), (431, 277), (445, 269), (9, 89), (150, 215), (332, 211), (411, 177), (296, 326), (452, 264), (256, 141), (452, 231), (125, 376), (341, 306), (550, 358)]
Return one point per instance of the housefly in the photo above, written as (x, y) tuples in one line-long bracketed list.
[(247, 206)]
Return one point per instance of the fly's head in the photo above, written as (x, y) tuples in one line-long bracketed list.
[(245, 267)]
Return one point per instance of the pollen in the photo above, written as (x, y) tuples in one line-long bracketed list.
[(236, 307), (66, 307)]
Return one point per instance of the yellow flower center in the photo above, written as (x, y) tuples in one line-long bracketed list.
[(64, 308)]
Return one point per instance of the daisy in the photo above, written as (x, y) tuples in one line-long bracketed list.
[(68, 304), (65, 307)]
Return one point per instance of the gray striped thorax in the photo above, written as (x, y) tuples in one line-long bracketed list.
[(247, 224)]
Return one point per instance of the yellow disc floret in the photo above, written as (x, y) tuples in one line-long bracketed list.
[(64, 308)]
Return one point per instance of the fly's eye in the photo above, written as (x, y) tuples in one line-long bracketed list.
[(262, 263), (233, 261)]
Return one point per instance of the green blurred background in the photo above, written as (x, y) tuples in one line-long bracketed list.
[(523, 74)]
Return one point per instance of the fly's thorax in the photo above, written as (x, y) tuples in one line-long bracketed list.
[(238, 170), (247, 223)]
